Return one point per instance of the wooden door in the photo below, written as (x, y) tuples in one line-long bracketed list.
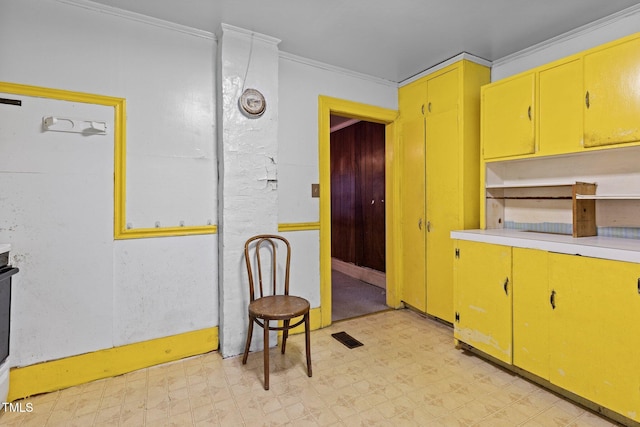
[(357, 195)]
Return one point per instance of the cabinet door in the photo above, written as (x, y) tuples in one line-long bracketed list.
[(612, 96), (595, 333), (482, 298), (412, 195), (560, 105), (412, 99), (507, 117), (443, 191), (531, 311)]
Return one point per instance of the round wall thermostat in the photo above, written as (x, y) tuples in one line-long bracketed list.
[(252, 103)]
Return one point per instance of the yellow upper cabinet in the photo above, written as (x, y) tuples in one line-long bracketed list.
[(442, 92), (560, 108), (412, 99), (590, 99), (612, 95), (508, 109)]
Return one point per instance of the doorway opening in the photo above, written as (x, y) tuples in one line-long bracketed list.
[(358, 238), (327, 107)]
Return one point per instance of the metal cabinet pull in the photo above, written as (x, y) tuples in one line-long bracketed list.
[(429, 226), (529, 112), (586, 100), (506, 286), (420, 223), (429, 107), (552, 300)]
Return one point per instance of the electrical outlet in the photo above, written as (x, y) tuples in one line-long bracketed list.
[(315, 190)]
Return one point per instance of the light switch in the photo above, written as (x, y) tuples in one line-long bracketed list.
[(315, 190)]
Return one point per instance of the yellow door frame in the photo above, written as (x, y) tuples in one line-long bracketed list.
[(326, 107)]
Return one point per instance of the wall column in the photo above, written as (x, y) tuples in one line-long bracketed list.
[(247, 150)]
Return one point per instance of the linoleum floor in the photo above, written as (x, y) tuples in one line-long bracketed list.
[(407, 373)]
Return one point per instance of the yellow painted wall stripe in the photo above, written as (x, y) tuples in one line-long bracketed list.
[(299, 226), (120, 158), (141, 233), (62, 373)]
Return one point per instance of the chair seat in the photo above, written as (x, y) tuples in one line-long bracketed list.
[(278, 307)]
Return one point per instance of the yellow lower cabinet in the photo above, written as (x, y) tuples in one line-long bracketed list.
[(531, 311), (482, 297), (595, 330)]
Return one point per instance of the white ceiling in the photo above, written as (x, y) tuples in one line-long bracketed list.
[(393, 40)]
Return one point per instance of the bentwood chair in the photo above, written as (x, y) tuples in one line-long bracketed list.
[(271, 303)]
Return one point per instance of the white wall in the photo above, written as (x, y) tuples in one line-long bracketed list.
[(591, 35), (56, 209), (301, 83), (156, 287), (164, 286), (248, 167)]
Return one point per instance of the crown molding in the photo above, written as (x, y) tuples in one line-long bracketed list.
[(138, 17), (569, 35), (324, 66), (249, 34), (459, 57)]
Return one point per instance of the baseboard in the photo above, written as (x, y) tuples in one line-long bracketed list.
[(83, 368), (374, 277)]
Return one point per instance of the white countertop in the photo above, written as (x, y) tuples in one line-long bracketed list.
[(596, 247), (4, 247)]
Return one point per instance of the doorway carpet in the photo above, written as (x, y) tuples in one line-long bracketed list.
[(351, 297)]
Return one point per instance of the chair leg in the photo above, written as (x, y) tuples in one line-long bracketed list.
[(307, 333), (248, 343), (285, 335), (266, 354)]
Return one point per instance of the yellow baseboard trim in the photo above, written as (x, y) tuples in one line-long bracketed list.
[(62, 373)]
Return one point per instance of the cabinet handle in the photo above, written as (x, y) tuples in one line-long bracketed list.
[(420, 223), (552, 300), (529, 112), (428, 226), (422, 109), (506, 286), (586, 100), (638, 285), (429, 107)]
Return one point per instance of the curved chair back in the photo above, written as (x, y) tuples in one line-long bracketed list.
[(261, 245)]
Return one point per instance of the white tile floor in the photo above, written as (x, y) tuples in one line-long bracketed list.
[(407, 373)]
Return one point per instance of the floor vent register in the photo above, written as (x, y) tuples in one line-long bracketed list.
[(347, 339)]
